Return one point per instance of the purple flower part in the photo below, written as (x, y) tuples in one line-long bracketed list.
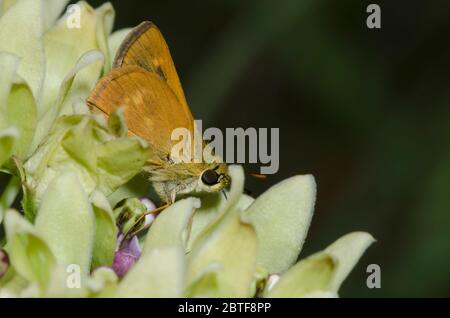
[(126, 256), (122, 263), (4, 262), (133, 247), (148, 204), (119, 241)]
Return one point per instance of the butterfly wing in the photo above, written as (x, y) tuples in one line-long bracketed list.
[(145, 47), (151, 109)]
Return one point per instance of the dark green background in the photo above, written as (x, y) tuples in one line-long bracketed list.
[(366, 111)]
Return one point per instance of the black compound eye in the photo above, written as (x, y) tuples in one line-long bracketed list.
[(210, 177)]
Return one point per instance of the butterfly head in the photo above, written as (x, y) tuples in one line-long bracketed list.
[(213, 179)]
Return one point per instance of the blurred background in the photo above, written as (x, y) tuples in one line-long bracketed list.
[(366, 111)]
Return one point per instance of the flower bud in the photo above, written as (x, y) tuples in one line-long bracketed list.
[(129, 215), (126, 256)]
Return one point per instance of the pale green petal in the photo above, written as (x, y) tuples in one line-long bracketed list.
[(8, 139), (21, 28), (138, 187), (215, 208), (64, 47), (22, 113), (103, 282), (212, 206), (5, 5), (281, 217), (17, 104), (49, 113), (13, 287), (105, 231), (117, 124), (232, 244), (159, 273), (67, 223), (105, 16), (347, 251), (237, 186), (58, 286), (78, 143), (171, 227), (77, 58), (313, 274), (9, 64), (322, 274), (120, 160), (30, 256), (206, 284), (115, 40), (322, 294), (52, 10)]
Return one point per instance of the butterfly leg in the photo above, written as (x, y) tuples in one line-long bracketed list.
[(135, 230)]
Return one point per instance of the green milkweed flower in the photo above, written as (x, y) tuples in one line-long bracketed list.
[(79, 175)]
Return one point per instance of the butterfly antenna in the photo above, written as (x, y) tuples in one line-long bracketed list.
[(259, 176)]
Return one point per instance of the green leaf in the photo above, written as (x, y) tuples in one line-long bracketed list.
[(9, 194), (232, 245), (67, 223), (160, 273), (171, 227), (21, 29), (281, 217), (105, 231), (347, 251), (314, 274), (30, 256), (8, 139)]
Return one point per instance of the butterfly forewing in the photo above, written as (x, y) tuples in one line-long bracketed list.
[(145, 47)]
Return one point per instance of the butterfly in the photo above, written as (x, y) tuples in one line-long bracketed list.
[(145, 83)]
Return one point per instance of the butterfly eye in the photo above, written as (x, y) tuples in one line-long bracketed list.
[(210, 177)]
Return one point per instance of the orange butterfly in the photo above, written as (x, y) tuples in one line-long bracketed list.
[(145, 83)]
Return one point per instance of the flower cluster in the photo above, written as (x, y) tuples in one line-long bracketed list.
[(83, 230)]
